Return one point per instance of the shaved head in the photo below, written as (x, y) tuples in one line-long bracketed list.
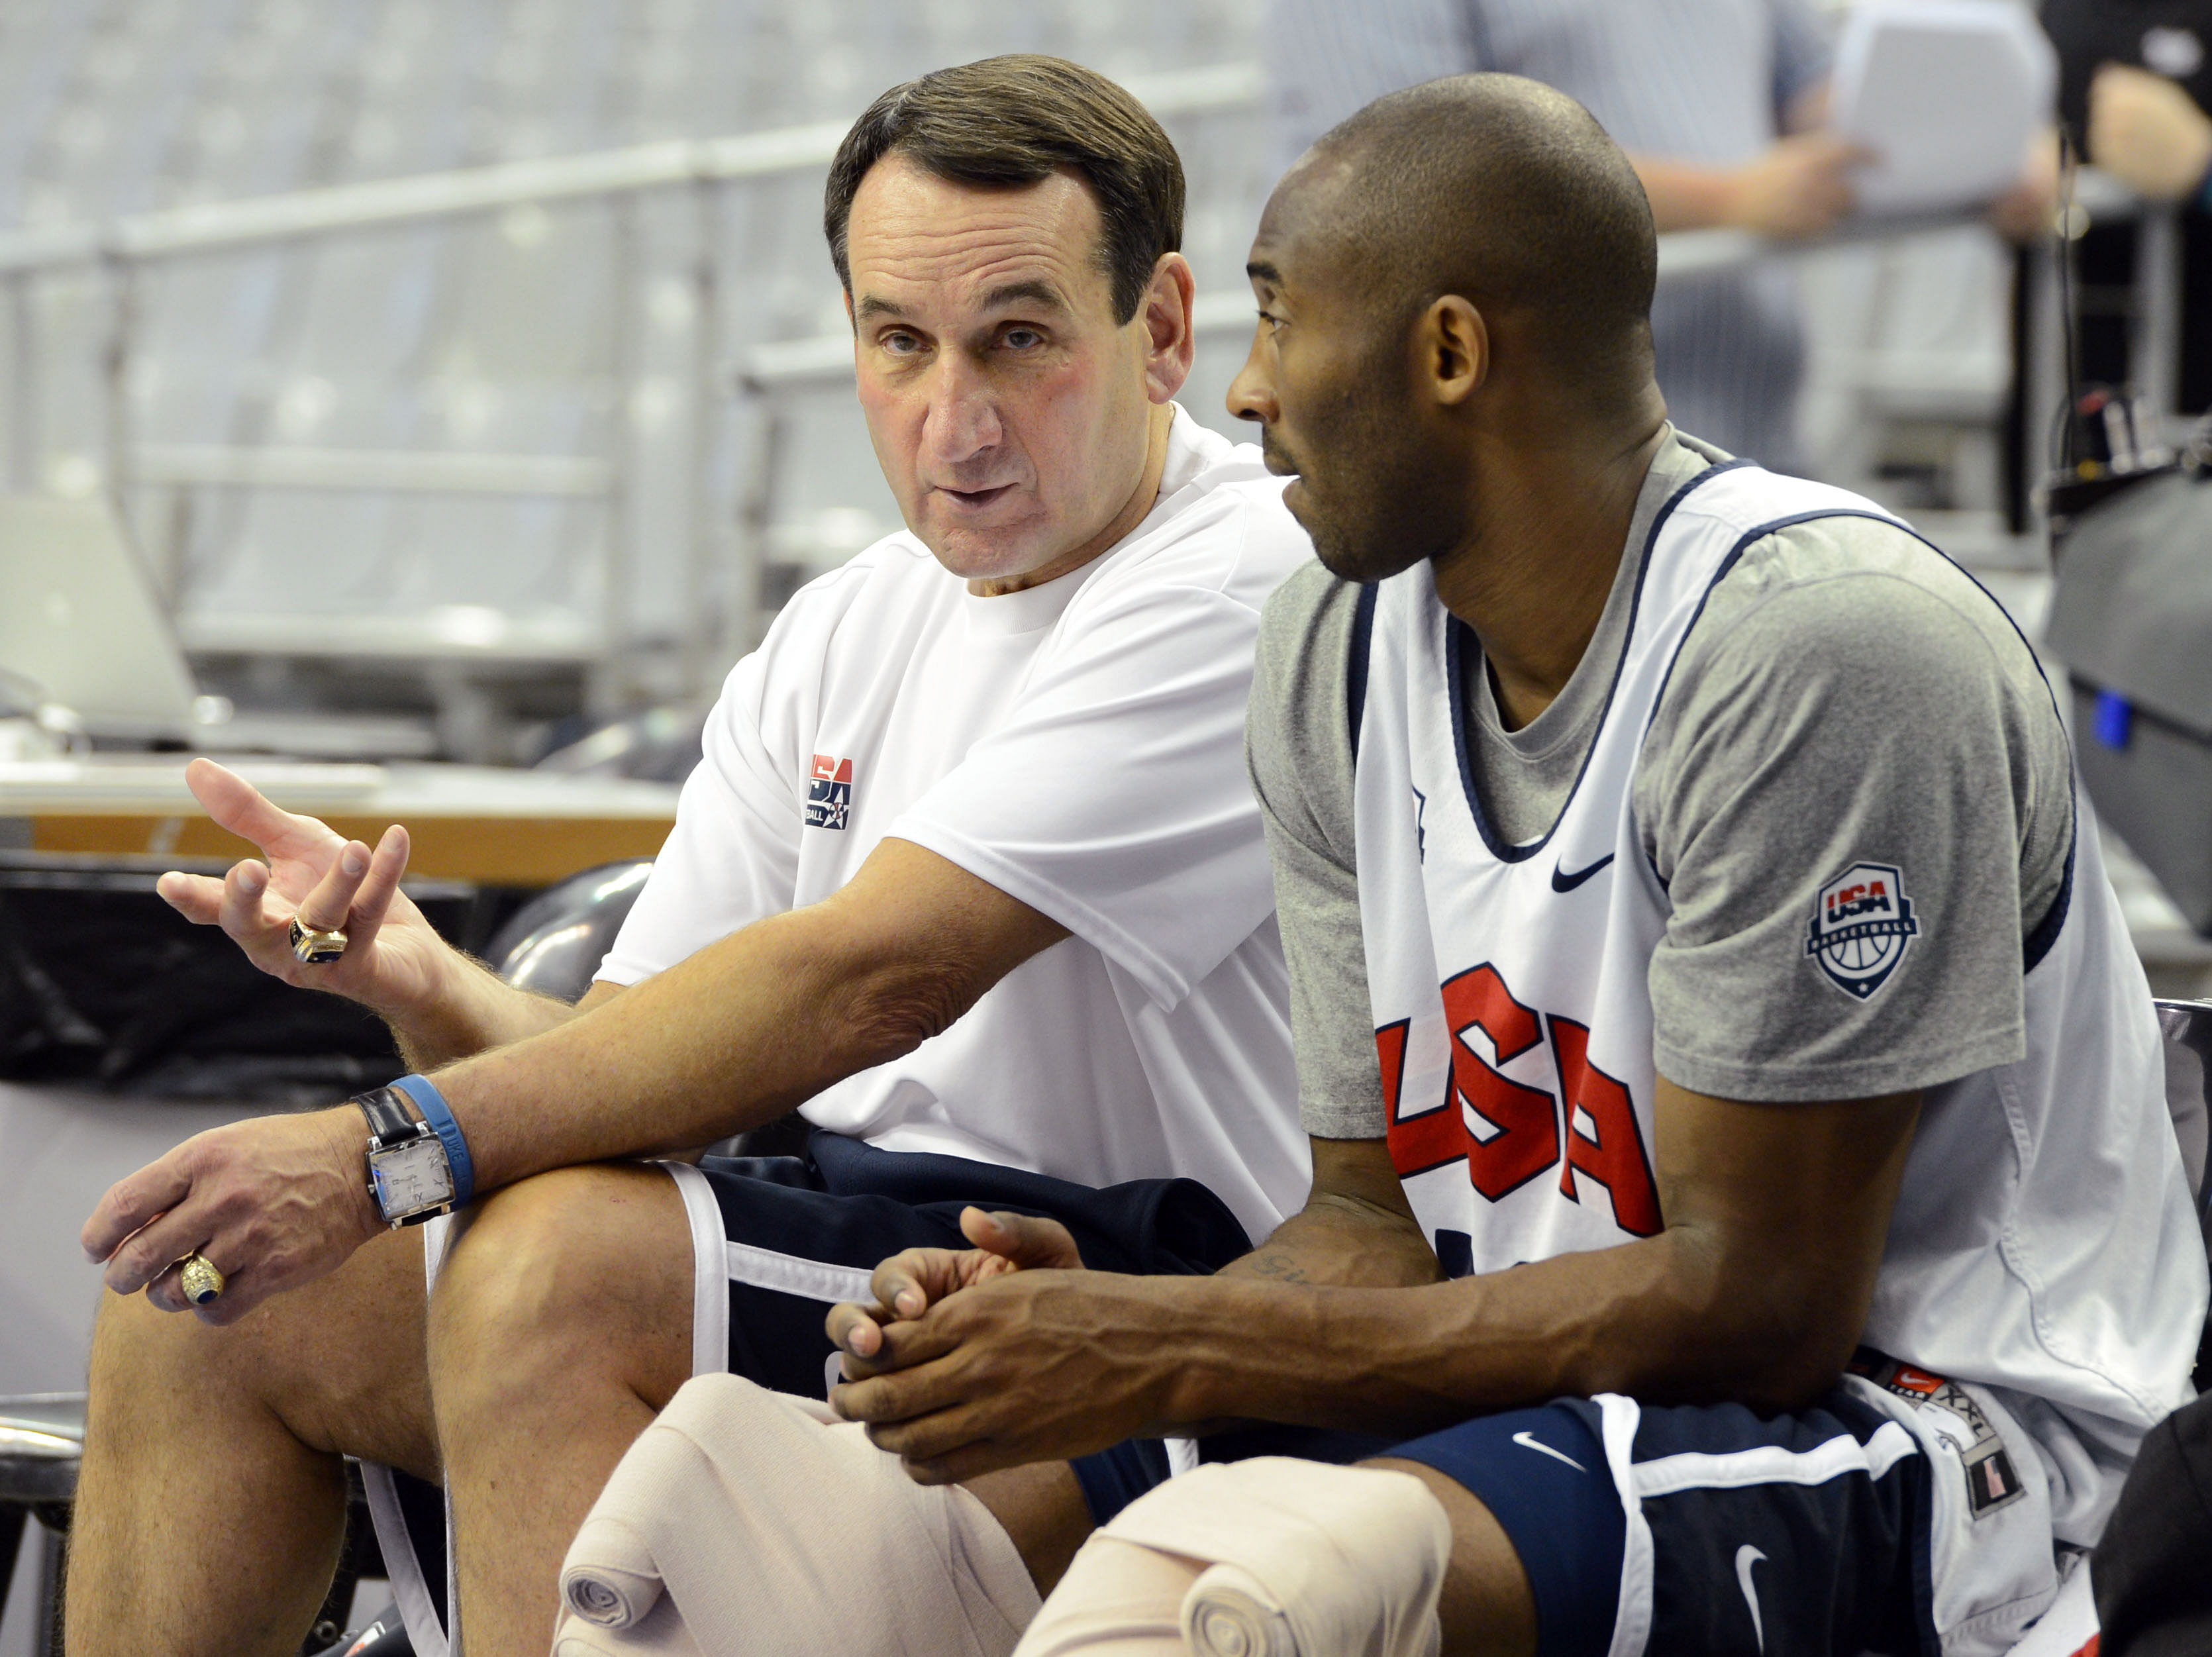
[(1454, 288), (1506, 192)]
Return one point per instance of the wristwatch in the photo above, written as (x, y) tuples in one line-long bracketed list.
[(411, 1178)]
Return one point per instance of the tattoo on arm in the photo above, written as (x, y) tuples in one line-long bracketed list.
[(1278, 1265)]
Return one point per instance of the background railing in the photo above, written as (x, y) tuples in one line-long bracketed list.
[(466, 449), (123, 250)]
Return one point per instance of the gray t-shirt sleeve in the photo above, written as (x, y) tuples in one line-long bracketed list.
[(1298, 749), (1327, 60), (1848, 698)]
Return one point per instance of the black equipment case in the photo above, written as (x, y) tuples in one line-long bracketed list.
[(2131, 619)]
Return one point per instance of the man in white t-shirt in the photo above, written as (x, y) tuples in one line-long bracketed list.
[(970, 871)]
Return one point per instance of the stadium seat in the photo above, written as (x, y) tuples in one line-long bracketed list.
[(570, 331), (553, 944), (2187, 1027), (41, 1436)]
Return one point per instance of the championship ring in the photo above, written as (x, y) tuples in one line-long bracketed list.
[(202, 1281), (316, 949)]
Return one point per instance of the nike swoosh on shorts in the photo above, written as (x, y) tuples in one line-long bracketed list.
[(1746, 1558), (1529, 1441), (1563, 882)]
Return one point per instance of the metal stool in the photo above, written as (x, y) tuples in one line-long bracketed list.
[(41, 1442), (41, 1439)]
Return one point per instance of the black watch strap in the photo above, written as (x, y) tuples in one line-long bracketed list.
[(386, 1110)]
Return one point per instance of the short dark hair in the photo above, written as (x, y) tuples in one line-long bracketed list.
[(1015, 120)]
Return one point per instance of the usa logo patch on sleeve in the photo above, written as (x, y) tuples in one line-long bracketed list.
[(829, 793), (1863, 924)]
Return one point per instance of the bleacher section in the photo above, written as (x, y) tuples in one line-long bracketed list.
[(458, 464)]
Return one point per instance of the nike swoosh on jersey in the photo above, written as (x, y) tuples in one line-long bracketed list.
[(1563, 882), (1746, 1558), (1529, 1441)]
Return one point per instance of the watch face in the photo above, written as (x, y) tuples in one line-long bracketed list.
[(412, 1177)]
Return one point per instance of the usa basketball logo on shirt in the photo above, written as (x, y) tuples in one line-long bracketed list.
[(1863, 924), (829, 794)]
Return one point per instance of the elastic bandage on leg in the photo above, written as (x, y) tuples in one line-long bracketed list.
[(1118, 1599), (1270, 1557), (744, 1521)]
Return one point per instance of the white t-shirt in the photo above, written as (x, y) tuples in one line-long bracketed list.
[(1079, 745)]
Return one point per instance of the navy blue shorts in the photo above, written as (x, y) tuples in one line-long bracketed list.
[(1789, 1535), (792, 1235), (801, 1233)]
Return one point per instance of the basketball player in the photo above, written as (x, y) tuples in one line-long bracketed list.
[(1743, 1195), (970, 873)]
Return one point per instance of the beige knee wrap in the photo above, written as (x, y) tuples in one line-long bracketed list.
[(1270, 1557), (744, 1521)]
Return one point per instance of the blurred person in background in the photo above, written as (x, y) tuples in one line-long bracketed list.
[(2148, 132), (2137, 80), (2136, 84), (1720, 105)]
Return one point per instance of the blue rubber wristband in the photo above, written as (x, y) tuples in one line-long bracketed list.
[(439, 1115)]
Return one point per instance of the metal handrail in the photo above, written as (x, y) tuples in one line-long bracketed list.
[(405, 472), (123, 246), (258, 219), (827, 359)]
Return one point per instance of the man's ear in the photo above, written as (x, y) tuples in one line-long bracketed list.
[(1165, 315), (1452, 351)]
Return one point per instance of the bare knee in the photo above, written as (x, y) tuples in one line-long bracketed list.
[(337, 1362), (1043, 1510), (146, 1361), (577, 1278)]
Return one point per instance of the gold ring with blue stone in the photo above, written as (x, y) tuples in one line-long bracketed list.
[(316, 947), (203, 1281)]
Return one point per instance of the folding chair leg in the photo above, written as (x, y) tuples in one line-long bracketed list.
[(11, 1544), (53, 1547), (359, 1557)]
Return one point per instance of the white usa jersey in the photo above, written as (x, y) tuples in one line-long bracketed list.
[(2042, 1241)]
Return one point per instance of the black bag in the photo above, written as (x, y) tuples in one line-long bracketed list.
[(2152, 1573), (104, 987), (2131, 618)]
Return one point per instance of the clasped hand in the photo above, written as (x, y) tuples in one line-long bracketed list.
[(973, 1360)]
